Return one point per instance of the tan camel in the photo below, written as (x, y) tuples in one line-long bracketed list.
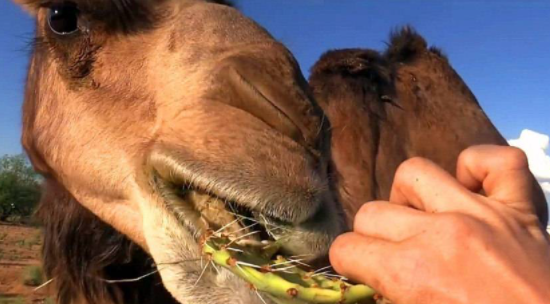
[(141, 111)]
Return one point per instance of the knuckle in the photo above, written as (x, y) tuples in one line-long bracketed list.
[(514, 157), (468, 155), (410, 167), (366, 212), (462, 233), (365, 209), (458, 226), (337, 251), (371, 208), (510, 156), (339, 244)]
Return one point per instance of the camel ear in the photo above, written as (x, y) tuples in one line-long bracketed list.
[(224, 2), (405, 45), (30, 6)]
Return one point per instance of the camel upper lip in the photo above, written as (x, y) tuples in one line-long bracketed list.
[(289, 195), (172, 186), (182, 195)]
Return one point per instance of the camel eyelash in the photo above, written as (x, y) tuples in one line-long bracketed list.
[(51, 3), (37, 43), (45, 4)]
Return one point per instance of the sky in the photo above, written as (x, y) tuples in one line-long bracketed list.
[(500, 48)]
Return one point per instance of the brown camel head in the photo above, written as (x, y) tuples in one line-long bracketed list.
[(386, 108), (167, 118)]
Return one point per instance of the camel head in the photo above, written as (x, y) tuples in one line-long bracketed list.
[(384, 108), (170, 118)]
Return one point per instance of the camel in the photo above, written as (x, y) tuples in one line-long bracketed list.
[(387, 108), (153, 122), (146, 113)]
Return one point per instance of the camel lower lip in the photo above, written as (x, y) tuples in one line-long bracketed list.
[(266, 241)]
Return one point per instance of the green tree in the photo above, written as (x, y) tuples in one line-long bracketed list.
[(19, 187)]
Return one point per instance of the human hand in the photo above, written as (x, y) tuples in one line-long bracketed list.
[(439, 241)]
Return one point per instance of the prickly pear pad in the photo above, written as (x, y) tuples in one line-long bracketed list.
[(281, 279)]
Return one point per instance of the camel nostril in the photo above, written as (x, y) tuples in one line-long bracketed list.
[(272, 94), (258, 102)]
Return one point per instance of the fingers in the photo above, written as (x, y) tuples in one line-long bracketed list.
[(423, 185), (503, 174), (389, 221), (363, 259)]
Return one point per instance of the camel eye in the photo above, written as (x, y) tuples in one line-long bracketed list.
[(63, 18)]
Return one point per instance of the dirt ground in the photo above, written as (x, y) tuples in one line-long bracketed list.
[(19, 252)]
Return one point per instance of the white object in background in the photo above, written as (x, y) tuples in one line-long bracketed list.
[(535, 146)]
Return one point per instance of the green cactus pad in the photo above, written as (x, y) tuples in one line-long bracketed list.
[(281, 279)]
